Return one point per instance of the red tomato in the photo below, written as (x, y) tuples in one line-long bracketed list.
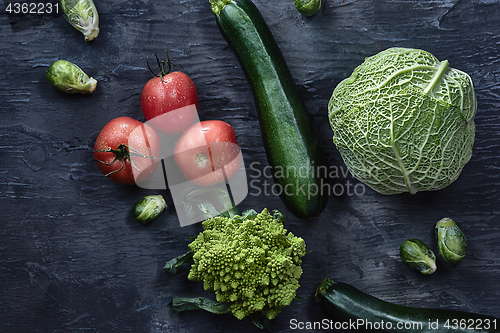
[(207, 153), (172, 100), (127, 151)]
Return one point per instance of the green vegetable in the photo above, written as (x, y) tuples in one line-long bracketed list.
[(180, 304), (404, 121), (308, 7), (175, 266), (69, 78), (250, 262), (289, 138), (83, 16), (452, 243), (147, 209), (417, 255), (207, 201), (342, 302)]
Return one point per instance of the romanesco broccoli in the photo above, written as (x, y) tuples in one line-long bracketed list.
[(249, 261)]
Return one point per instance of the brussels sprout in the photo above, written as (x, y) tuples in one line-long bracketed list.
[(417, 255), (69, 78), (308, 7), (452, 243), (147, 209), (83, 16)]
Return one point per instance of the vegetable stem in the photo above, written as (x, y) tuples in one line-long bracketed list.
[(165, 66), (122, 154), (439, 74), (218, 5)]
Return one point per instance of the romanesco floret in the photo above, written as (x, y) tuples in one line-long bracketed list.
[(249, 261)]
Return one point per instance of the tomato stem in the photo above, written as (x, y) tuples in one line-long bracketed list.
[(165, 66), (122, 153)]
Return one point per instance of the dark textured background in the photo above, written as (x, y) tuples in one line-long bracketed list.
[(72, 258)]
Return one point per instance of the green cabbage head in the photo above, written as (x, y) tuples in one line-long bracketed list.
[(404, 121)]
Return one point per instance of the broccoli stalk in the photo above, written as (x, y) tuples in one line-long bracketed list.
[(251, 262)]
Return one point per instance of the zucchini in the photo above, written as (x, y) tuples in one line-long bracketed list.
[(289, 139), (346, 304)]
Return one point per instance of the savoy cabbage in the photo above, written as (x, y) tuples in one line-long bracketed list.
[(404, 121)]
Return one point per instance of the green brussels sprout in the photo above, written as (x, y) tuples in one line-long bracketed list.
[(69, 78), (83, 16), (308, 7), (417, 255), (452, 243), (147, 209)]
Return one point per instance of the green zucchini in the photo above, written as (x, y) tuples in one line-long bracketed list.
[(289, 138), (349, 306)]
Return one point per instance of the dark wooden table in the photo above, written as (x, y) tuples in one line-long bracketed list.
[(73, 259)]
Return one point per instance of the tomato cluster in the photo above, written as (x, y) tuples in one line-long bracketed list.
[(127, 151)]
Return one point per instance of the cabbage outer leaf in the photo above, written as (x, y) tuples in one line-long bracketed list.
[(404, 121)]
